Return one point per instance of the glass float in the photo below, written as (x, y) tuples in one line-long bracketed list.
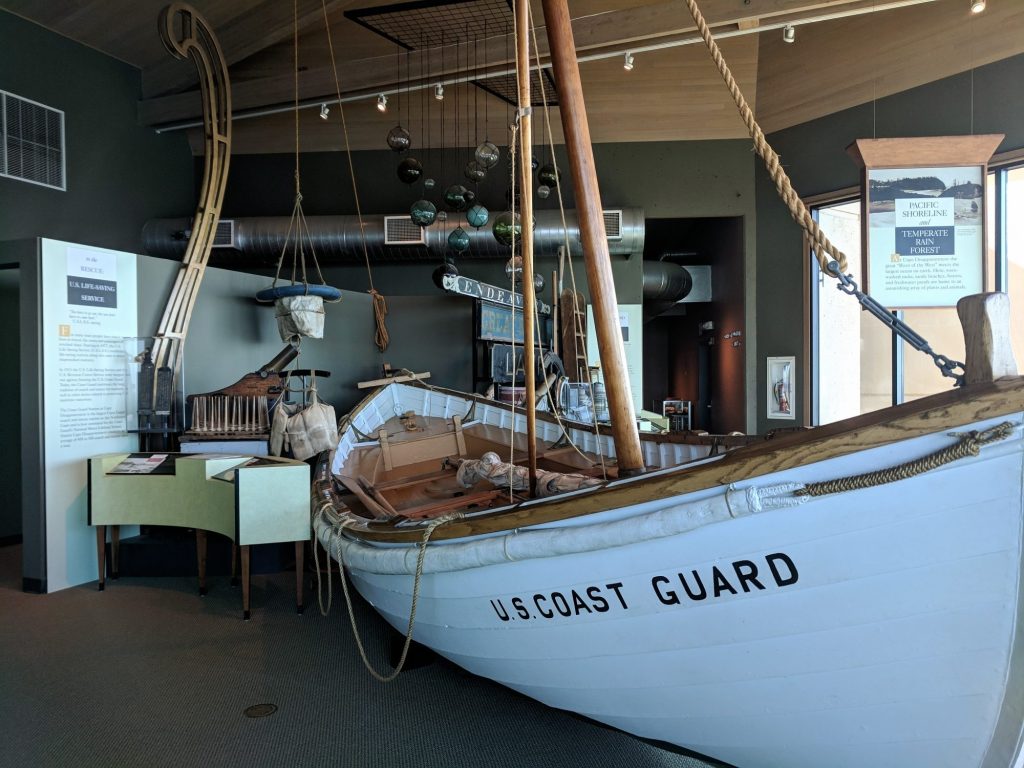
[(487, 155), (543, 191), (477, 216), (410, 170), (458, 240), (514, 269), (399, 139), (429, 184), (547, 176), (423, 213), (475, 172), (506, 226), (455, 197)]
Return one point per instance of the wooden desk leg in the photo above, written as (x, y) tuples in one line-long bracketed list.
[(234, 564), (201, 558), (300, 551), (101, 553), (245, 582), (115, 543)]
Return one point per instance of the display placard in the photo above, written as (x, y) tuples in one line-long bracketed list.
[(925, 234)]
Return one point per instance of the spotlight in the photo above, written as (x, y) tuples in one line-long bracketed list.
[(627, 63), (439, 92), (382, 103), (324, 111), (789, 33), (977, 6)]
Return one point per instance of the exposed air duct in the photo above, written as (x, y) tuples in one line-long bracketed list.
[(393, 238), (665, 284)]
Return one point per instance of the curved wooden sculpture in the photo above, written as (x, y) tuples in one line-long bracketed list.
[(186, 34)]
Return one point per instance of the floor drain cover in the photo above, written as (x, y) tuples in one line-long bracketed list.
[(261, 710)]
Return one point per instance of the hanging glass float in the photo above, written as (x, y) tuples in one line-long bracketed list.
[(399, 139), (423, 213), (514, 269), (477, 216), (487, 155), (506, 226), (475, 172), (429, 184), (470, 198), (447, 268), (543, 191), (538, 282), (455, 197), (458, 240), (442, 215), (548, 176), (534, 162), (410, 170)]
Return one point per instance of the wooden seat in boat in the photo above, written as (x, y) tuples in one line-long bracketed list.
[(413, 450)]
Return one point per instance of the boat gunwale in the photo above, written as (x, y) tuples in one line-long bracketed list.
[(927, 415)]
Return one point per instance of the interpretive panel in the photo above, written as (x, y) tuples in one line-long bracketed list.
[(89, 306), (925, 234)]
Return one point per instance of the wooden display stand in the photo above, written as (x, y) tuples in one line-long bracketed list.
[(251, 500)]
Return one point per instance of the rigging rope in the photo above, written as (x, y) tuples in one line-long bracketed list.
[(572, 274), (836, 266), (799, 212), (379, 307), (334, 540)]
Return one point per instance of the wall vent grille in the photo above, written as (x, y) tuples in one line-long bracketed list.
[(224, 237), (613, 224), (400, 230), (33, 142)]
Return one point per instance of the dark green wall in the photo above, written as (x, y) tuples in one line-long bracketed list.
[(814, 156), (118, 173), (669, 180)]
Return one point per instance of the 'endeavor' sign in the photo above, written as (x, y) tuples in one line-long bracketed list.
[(465, 286)]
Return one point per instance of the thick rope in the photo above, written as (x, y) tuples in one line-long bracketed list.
[(822, 245), (380, 312), (334, 541), (968, 445)]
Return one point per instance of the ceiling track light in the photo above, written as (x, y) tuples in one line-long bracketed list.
[(439, 92), (382, 103), (977, 6), (324, 111), (627, 63), (789, 33)]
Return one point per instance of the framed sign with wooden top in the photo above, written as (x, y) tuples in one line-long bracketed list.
[(924, 219)]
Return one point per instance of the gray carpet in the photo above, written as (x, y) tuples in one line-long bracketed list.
[(149, 674)]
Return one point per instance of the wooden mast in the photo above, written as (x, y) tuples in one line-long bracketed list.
[(526, 217), (595, 243)]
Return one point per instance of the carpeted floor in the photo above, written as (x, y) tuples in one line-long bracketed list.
[(148, 674)]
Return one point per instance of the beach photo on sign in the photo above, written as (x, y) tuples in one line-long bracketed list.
[(914, 196)]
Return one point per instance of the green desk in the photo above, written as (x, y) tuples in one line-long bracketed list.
[(251, 500)]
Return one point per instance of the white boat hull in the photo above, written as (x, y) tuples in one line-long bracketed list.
[(868, 628)]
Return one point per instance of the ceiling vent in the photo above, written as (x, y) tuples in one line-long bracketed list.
[(613, 224), (401, 230), (224, 237), (32, 147)]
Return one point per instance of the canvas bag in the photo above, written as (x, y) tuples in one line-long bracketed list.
[(279, 423), (300, 316), (314, 428)]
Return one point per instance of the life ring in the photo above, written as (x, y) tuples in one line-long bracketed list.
[(326, 292)]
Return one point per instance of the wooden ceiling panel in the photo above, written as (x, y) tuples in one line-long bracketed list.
[(670, 95), (835, 65)]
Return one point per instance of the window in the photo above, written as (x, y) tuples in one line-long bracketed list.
[(31, 142), (857, 364)]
